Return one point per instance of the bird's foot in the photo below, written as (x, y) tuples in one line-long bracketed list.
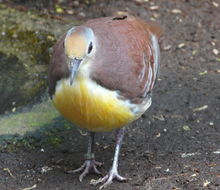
[(107, 180), (87, 167)]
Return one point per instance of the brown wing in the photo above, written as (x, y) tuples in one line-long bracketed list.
[(127, 55), (58, 68)]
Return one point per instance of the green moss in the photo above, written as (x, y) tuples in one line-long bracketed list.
[(31, 49), (26, 39), (41, 125)]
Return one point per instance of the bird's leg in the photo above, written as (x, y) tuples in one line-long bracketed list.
[(113, 173), (90, 163)]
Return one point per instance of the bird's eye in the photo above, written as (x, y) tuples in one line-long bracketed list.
[(90, 47)]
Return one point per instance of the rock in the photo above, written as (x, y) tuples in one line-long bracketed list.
[(24, 55), (26, 43)]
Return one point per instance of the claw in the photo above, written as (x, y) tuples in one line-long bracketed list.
[(107, 180), (86, 167)]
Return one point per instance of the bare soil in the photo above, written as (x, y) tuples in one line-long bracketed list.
[(176, 144)]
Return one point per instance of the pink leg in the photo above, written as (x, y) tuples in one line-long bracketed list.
[(113, 173), (90, 163)]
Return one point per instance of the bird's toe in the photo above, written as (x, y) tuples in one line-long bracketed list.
[(108, 179), (88, 165)]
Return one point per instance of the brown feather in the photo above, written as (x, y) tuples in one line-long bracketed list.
[(125, 53), (58, 67), (124, 46)]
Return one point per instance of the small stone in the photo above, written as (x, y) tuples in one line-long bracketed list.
[(58, 9), (154, 8), (186, 128), (75, 3), (156, 15), (13, 109), (215, 4), (138, 2), (180, 20), (45, 169), (200, 108), (195, 79), (218, 59), (152, 19), (14, 35), (193, 175), (82, 14), (194, 52), (203, 73), (215, 51), (70, 12), (176, 11), (167, 47), (83, 133), (206, 183), (107, 146), (181, 45), (49, 37), (119, 13), (213, 43), (217, 152), (159, 117)]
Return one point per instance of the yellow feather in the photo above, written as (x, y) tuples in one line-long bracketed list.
[(90, 106)]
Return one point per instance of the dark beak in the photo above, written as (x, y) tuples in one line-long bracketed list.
[(74, 67)]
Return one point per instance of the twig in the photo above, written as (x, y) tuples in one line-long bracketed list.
[(28, 188), (8, 170)]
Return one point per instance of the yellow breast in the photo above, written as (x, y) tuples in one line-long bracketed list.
[(90, 106)]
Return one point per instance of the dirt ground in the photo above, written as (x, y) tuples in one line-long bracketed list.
[(176, 144)]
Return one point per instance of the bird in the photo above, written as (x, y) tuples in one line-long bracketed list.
[(101, 77)]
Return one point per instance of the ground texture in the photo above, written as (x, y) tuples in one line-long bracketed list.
[(176, 144)]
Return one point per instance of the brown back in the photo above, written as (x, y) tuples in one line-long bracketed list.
[(125, 57)]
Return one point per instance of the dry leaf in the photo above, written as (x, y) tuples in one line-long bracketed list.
[(194, 52), (81, 132), (45, 169), (215, 4), (181, 45), (159, 117), (206, 183), (186, 128), (176, 11), (154, 8), (29, 188), (193, 175), (8, 170), (203, 73), (200, 108), (215, 51), (58, 9)]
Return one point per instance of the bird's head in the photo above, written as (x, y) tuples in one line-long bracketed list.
[(79, 47)]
